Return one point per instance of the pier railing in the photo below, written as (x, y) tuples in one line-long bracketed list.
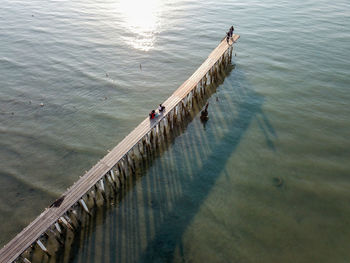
[(120, 163)]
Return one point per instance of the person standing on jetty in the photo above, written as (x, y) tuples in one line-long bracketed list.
[(228, 37), (161, 108), (152, 114), (231, 31)]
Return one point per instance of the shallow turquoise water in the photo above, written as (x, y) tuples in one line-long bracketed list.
[(282, 113)]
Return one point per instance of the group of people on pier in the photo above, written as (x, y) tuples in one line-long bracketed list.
[(153, 113), (229, 34)]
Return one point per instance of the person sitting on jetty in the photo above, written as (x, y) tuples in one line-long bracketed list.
[(152, 114), (161, 108)]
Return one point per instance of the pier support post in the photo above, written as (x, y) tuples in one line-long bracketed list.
[(140, 147), (25, 260), (65, 223), (52, 234), (165, 131), (43, 248), (102, 189), (111, 181)]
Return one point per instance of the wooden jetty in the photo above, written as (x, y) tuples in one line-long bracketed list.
[(111, 171)]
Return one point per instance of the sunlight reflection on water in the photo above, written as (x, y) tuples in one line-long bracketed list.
[(142, 20)]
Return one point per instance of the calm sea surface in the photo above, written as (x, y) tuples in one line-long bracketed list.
[(266, 180)]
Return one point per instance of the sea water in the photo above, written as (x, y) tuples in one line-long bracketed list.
[(265, 180)]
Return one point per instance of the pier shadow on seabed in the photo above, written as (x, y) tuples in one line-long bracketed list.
[(146, 220)]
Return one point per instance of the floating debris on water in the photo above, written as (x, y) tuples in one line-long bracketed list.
[(277, 181)]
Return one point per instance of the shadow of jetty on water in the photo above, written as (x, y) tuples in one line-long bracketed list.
[(146, 220), (196, 186)]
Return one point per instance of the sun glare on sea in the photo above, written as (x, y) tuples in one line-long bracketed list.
[(142, 19)]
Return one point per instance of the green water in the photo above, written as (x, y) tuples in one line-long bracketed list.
[(266, 180)]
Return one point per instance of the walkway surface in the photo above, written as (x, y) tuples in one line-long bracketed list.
[(35, 229)]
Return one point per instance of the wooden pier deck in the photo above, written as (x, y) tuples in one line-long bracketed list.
[(33, 231)]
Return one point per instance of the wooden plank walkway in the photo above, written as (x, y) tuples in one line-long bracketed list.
[(34, 230)]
